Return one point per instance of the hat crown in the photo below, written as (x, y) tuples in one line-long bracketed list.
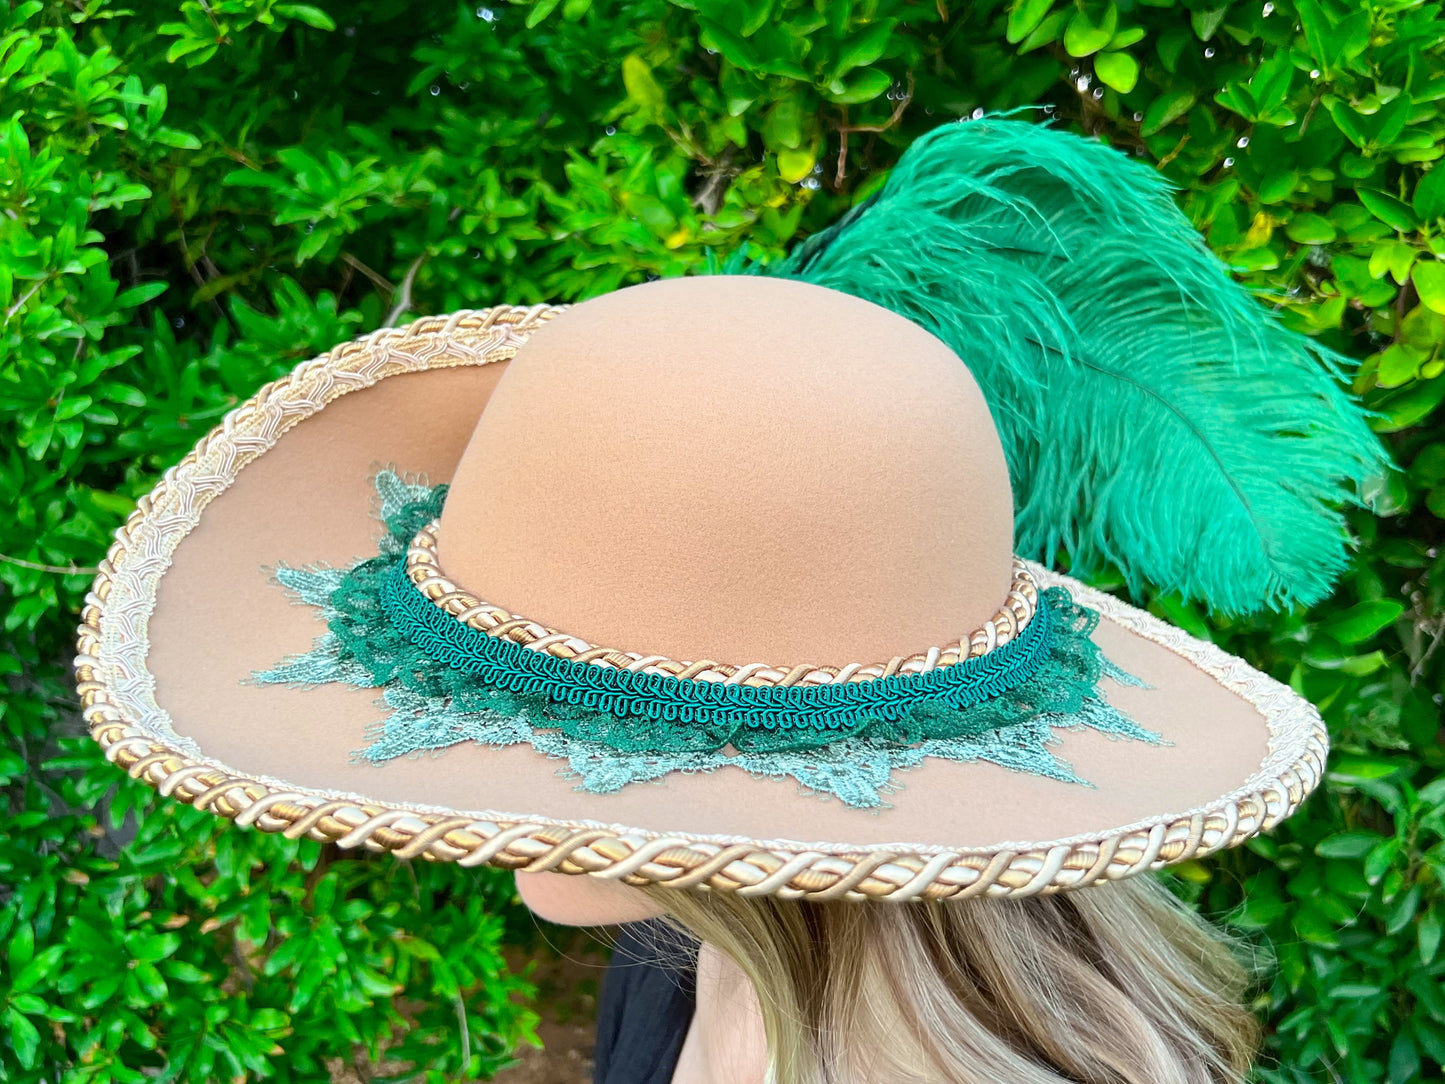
[(739, 469)]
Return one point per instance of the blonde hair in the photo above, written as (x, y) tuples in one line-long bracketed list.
[(1115, 984)]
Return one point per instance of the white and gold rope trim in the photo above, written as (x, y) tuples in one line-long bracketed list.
[(117, 697), (424, 570)]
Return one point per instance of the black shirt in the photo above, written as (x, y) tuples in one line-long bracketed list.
[(649, 992)]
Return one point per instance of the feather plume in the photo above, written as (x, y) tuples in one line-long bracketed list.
[(1153, 413)]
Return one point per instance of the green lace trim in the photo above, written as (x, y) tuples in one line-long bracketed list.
[(433, 705), (844, 708)]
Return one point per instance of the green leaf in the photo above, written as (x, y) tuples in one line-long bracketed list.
[(1431, 1038), (1394, 258), (253, 178), (181, 971), (1313, 925), (863, 48), (1322, 658), (1046, 32), (1408, 406), (755, 13), (1429, 279), (1353, 991), (1271, 81), (739, 92), (29, 1004), (24, 1038), (1358, 767), (1429, 201), (1435, 502), (1085, 36), (1310, 229), (1428, 468), (1398, 363), (1165, 109), (642, 88), (1404, 1063), (37, 970), (794, 165), (1348, 121), (1363, 620), (1393, 212), (783, 125), (864, 86), (171, 137), (311, 244), (1317, 26), (1352, 35), (1205, 23), (1170, 46), (186, 46), (1024, 18), (139, 295), (1427, 934), (1380, 860), (1348, 844), (21, 948), (1117, 70), (1278, 187), (1402, 912), (733, 46), (128, 193), (539, 11), (311, 16)]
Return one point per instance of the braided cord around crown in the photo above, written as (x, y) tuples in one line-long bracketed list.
[(621, 716), (502, 663), (424, 570)]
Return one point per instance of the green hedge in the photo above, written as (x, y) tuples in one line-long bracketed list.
[(193, 200)]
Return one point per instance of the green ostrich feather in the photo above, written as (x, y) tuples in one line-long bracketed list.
[(1154, 414)]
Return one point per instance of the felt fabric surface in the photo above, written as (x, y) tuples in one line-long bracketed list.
[(218, 617)]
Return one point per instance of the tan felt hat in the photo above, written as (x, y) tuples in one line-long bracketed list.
[(721, 592)]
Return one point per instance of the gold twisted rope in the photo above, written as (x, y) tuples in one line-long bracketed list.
[(424, 570)]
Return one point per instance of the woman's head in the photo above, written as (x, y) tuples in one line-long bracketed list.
[(1115, 984)]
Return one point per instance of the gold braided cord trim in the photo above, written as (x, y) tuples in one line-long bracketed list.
[(424, 569), (117, 697), (535, 845)]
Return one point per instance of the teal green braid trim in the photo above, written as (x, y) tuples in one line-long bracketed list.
[(845, 707), (430, 705), (1054, 667)]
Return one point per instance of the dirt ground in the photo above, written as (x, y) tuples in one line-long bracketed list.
[(567, 986)]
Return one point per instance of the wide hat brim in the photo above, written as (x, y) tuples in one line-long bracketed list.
[(185, 610)]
